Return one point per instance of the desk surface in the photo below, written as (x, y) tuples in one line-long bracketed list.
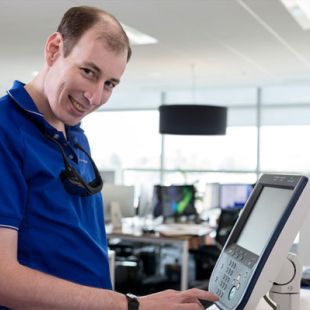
[(136, 227), (171, 230)]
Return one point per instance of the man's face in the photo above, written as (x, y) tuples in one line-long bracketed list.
[(83, 81)]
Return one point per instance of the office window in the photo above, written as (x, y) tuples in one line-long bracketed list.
[(202, 178), (234, 151), (285, 149), (128, 144), (285, 120), (144, 181), (288, 94), (121, 140)]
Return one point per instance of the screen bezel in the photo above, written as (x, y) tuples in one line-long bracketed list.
[(295, 183)]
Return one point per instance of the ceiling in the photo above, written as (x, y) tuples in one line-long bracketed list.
[(202, 43)]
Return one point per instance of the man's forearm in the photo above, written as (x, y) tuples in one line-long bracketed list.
[(27, 289), (24, 288)]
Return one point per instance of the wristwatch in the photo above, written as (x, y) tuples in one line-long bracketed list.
[(133, 302)]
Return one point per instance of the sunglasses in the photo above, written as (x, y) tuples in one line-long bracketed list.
[(73, 182)]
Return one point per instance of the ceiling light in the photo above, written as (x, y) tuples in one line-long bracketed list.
[(138, 38), (300, 10), (192, 119)]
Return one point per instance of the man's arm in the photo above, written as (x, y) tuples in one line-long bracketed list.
[(25, 288)]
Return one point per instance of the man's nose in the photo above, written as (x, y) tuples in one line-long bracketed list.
[(95, 95)]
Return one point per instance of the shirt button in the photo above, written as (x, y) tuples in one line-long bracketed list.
[(71, 156), (56, 136)]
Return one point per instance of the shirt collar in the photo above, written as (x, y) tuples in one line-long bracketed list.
[(19, 94), (21, 97)]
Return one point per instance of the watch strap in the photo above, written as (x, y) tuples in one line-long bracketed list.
[(133, 302)]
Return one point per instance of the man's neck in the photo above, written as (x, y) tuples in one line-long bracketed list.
[(35, 90)]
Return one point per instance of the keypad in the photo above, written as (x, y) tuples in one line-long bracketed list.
[(233, 273)]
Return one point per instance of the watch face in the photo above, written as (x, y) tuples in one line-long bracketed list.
[(131, 296)]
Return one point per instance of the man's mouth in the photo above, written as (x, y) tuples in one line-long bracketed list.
[(77, 105)]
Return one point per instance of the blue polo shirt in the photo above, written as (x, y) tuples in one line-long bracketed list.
[(58, 233)]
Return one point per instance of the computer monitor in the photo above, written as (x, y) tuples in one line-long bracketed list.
[(121, 194), (174, 200), (211, 196), (260, 241), (234, 195)]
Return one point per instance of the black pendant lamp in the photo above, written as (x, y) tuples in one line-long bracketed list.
[(192, 119)]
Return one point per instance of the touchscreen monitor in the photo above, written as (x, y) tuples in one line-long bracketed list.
[(260, 241)]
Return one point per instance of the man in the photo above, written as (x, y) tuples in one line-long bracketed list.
[(53, 244)]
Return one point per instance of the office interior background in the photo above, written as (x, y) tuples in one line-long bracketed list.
[(252, 56)]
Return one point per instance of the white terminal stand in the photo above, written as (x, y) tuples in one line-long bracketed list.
[(285, 291)]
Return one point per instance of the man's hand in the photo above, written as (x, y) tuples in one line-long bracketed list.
[(176, 300)]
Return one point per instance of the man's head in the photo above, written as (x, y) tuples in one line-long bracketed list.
[(77, 20), (84, 61)]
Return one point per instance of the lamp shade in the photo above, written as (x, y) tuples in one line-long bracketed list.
[(192, 119)]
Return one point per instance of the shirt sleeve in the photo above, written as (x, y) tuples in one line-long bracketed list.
[(13, 186)]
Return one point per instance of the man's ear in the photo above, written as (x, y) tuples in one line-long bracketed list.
[(53, 48)]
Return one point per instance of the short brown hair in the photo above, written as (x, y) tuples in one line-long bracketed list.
[(77, 20)]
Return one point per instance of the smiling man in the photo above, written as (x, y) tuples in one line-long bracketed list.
[(52, 236), (74, 83)]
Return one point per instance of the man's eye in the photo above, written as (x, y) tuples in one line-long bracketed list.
[(88, 72), (109, 84)]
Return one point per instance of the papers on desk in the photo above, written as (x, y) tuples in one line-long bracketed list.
[(183, 229)]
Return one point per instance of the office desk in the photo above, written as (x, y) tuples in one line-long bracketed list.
[(135, 234)]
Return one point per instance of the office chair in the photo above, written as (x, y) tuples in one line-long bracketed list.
[(207, 255), (226, 222)]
